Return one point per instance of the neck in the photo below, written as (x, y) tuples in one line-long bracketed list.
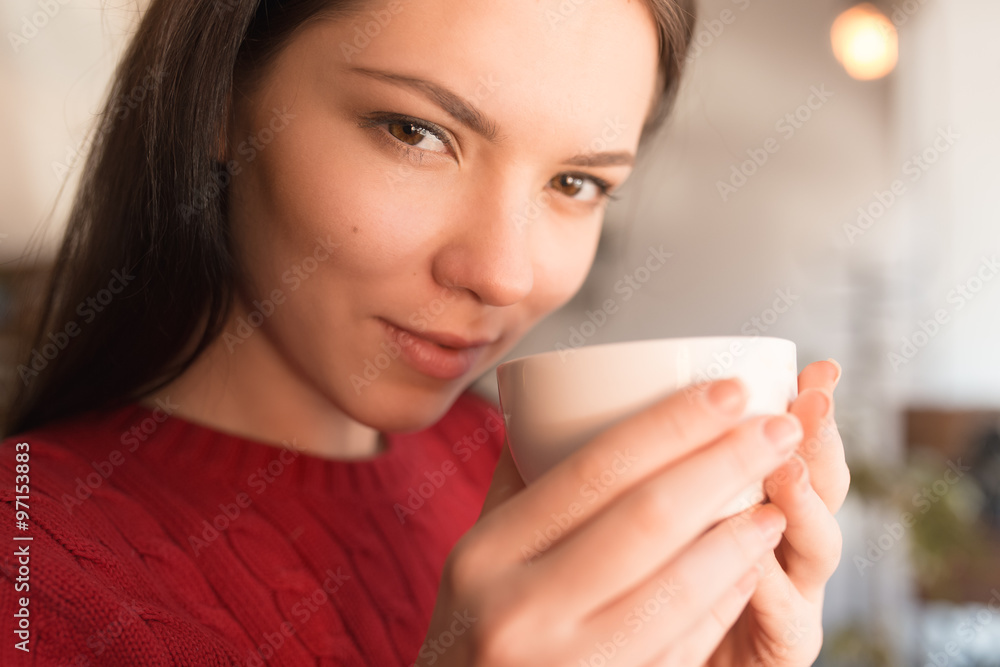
[(253, 393)]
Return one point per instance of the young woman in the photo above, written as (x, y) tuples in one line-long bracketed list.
[(243, 429)]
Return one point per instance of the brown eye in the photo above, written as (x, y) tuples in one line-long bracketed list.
[(568, 184), (408, 133), (580, 187), (418, 136)]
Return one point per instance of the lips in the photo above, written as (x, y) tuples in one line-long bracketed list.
[(440, 355), (451, 340)]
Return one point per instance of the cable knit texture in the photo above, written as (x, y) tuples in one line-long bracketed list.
[(158, 541)]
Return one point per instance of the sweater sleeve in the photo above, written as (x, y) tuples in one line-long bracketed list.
[(72, 590)]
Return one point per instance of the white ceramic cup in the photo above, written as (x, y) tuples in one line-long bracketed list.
[(555, 402)]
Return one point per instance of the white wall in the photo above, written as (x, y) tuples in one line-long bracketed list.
[(952, 222), (53, 79)]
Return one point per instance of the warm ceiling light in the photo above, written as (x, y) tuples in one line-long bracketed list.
[(865, 42)]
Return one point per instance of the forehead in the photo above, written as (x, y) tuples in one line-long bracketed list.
[(570, 66)]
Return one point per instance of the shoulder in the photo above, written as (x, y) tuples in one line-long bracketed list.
[(80, 577), (43, 462), (67, 461)]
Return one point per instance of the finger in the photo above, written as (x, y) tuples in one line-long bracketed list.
[(822, 447), (629, 451), (668, 605), (505, 484), (700, 642), (645, 529), (820, 375), (812, 545), (786, 624)]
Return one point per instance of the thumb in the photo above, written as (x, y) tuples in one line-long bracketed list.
[(506, 482)]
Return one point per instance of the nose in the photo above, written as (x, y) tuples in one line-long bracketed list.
[(487, 249)]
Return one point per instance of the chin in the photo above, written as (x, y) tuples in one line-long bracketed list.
[(393, 406)]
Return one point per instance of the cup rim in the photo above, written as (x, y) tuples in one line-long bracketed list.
[(636, 343)]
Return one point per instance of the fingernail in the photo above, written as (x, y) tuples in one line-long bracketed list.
[(727, 396), (771, 526), (824, 403), (797, 471), (784, 431), (836, 377)]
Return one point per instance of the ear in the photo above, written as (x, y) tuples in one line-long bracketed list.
[(220, 146)]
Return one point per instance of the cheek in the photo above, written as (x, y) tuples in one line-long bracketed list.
[(317, 187), (385, 218), (562, 264)]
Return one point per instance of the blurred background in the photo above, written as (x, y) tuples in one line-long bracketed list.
[(830, 175)]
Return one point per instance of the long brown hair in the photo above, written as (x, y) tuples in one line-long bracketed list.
[(144, 279)]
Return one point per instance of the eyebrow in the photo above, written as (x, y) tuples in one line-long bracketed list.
[(467, 114), (462, 111), (611, 159)]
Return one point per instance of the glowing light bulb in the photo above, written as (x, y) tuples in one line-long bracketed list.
[(865, 42)]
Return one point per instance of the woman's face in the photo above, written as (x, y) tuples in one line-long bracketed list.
[(436, 167)]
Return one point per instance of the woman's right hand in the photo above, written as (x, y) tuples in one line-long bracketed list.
[(610, 552)]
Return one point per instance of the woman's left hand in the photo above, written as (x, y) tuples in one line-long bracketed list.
[(782, 624)]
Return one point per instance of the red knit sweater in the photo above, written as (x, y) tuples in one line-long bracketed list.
[(157, 541)]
